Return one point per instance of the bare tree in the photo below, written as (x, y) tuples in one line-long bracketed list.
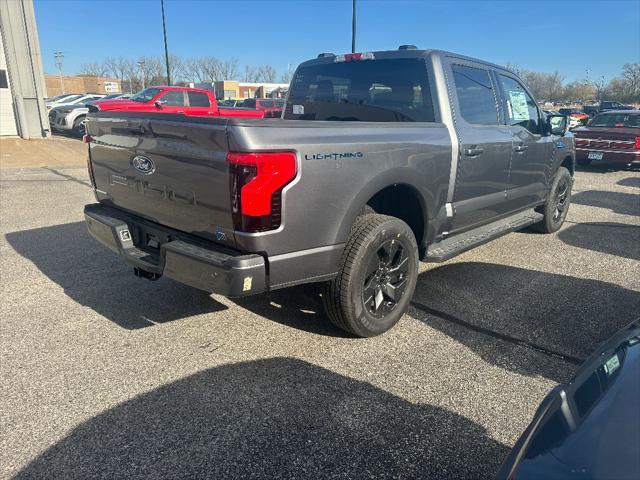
[(267, 73), (95, 69), (579, 91), (250, 74), (286, 76), (202, 69), (229, 69), (119, 67)]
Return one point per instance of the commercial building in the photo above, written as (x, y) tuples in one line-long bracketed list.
[(22, 88), (57, 85), (231, 89)]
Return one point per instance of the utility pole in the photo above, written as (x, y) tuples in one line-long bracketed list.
[(141, 65), (59, 56), (166, 49), (353, 27)]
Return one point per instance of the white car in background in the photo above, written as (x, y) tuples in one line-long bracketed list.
[(70, 117), (74, 100)]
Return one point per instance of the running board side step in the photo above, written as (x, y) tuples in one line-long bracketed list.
[(450, 247)]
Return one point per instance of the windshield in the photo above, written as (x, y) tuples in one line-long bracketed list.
[(616, 120), (389, 90), (146, 95)]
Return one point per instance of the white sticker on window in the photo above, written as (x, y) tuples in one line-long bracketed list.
[(298, 109), (518, 101)]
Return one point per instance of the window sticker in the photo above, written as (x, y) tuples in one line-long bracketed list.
[(298, 109), (518, 103), (612, 364)]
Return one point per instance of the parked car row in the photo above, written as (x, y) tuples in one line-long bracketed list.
[(69, 116)]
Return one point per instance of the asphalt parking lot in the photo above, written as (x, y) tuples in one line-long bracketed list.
[(106, 375)]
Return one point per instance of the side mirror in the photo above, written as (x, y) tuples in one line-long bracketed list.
[(159, 103), (557, 124)]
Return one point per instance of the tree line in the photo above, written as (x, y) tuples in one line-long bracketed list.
[(151, 70), (551, 87), (133, 74)]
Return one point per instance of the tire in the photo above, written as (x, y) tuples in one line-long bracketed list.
[(377, 277), (78, 126), (557, 204), (583, 162)]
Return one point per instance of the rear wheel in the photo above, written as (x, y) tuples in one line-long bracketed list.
[(377, 277), (557, 205), (79, 126)]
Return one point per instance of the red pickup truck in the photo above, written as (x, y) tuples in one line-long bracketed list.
[(185, 100)]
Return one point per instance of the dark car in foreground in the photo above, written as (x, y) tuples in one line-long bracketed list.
[(590, 427), (611, 137)]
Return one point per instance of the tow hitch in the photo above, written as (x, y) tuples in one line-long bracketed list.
[(138, 272)]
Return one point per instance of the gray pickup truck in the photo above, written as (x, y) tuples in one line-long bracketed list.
[(380, 160)]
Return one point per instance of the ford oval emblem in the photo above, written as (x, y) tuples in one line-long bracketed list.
[(143, 165)]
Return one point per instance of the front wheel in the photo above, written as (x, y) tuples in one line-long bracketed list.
[(377, 277), (79, 126), (556, 207)]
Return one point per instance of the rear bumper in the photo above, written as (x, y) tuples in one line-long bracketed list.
[(618, 156), (179, 256)]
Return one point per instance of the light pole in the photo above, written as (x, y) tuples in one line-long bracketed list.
[(353, 27), (141, 65), (166, 50), (59, 56)]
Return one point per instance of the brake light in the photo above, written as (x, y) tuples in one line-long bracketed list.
[(348, 57), (637, 144), (256, 181)]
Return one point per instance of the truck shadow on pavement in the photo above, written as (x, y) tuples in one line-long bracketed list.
[(619, 239), (93, 276), (629, 182), (273, 418), (617, 202), (560, 314)]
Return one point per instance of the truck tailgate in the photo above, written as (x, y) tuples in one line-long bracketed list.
[(169, 169)]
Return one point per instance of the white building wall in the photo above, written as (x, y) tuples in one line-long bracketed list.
[(7, 115)]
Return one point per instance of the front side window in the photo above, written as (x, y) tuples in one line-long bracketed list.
[(146, 95), (475, 95), (173, 98), (521, 108), (198, 99), (371, 90)]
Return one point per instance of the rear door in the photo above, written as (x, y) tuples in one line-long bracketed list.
[(198, 104), (484, 146), (531, 155)]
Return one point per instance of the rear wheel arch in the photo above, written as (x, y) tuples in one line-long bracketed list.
[(379, 197)]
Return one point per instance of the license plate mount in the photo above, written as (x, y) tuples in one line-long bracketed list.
[(595, 155)]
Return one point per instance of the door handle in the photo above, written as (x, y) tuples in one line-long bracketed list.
[(473, 152), (520, 148), (179, 111)]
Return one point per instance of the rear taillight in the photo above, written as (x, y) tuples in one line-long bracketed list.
[(256, 181), (86, 138), (637, 144)]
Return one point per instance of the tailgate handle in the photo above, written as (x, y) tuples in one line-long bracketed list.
[(520, 148), (137, 130)]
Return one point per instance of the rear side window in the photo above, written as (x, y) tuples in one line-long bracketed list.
[(385, 90), (475, 95), (521, 108), (266, 103), (174, 98), (616, 120), (198, 99)]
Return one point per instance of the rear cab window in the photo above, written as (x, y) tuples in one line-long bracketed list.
[(371, 90), (623, 120), (198, 99)]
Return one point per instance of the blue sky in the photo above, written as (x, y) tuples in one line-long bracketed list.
[(541, 35)]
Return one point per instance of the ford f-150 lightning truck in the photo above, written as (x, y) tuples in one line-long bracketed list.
[(380, 159)]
